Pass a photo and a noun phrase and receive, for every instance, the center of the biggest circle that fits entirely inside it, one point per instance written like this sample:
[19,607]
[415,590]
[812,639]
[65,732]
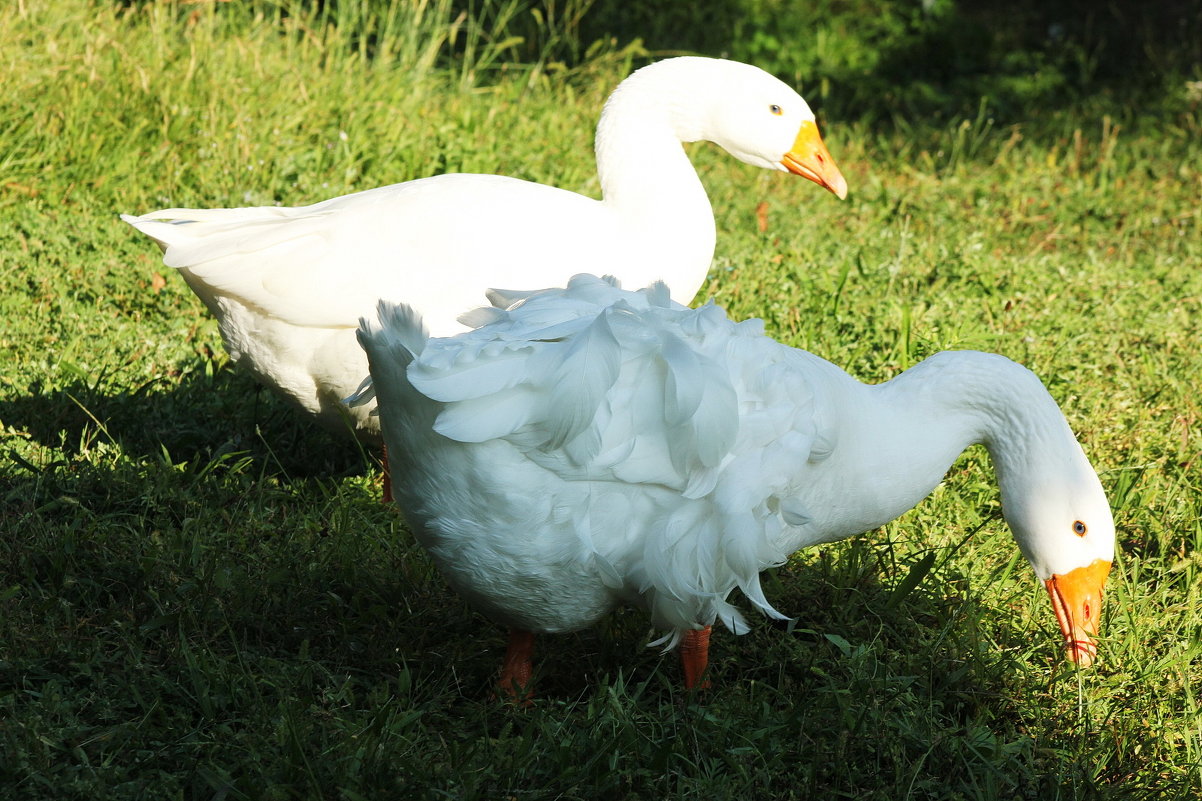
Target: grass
[201,597]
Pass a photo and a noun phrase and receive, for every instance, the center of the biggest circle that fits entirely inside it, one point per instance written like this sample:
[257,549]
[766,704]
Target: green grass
[201,597]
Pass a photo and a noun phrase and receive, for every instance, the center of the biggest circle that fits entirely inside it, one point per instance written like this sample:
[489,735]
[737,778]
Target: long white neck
[898,439]
[647,179]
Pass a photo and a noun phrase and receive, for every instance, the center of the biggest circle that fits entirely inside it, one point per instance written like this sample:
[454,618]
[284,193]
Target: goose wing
[434,243]
[595,384]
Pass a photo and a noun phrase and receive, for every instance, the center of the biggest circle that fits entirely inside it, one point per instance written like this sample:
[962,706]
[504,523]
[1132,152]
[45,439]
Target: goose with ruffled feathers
[288,285]
[591,446]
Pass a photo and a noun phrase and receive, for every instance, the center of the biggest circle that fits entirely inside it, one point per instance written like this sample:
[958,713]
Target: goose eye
[775,109]
[1079,528]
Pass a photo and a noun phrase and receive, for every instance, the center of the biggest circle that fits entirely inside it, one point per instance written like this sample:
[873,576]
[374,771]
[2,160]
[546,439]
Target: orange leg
[694,656]
[517,670]
[387,474]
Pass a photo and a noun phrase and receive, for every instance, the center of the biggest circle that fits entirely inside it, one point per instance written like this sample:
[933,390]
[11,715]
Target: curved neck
[898,439]
[638,146]
[648,181]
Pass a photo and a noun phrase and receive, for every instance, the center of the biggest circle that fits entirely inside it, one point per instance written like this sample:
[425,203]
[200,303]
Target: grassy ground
[201,597]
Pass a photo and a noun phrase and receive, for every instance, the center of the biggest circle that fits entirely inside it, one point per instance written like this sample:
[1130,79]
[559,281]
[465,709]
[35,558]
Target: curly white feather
[595,446]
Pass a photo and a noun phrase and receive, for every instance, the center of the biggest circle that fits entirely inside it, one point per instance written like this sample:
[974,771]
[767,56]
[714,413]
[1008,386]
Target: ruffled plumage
[590,446]
[628,412]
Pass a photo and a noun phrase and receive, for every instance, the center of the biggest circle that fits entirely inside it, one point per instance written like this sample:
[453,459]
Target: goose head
[760,120]
[752,115]
[1051,497]
[1062,522]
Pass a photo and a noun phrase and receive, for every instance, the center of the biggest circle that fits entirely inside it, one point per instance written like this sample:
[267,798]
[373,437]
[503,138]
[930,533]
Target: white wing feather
[679,408]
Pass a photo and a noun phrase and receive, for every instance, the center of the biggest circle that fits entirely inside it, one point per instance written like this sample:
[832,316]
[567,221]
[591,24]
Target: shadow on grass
[241,622]
[204,414]
[221,633]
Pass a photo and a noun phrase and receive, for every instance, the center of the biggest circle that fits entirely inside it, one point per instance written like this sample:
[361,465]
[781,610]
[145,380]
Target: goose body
[288,285]
[591,446]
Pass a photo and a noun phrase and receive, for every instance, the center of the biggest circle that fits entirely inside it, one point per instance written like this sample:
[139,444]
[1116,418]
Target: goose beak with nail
[1077,598]
[809,158]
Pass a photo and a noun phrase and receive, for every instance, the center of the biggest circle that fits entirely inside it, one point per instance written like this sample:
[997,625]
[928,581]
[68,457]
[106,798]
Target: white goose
[288,285]
[592,446]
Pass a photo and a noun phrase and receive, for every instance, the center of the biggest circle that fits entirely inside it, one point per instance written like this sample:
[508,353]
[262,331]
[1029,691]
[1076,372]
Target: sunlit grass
[200,595]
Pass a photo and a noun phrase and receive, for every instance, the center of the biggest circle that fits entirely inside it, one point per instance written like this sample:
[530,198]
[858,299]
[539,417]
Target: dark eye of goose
[775,109]
[1079,528]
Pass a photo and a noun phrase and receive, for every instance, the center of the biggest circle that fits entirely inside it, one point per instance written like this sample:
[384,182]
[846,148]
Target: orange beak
[1077,598]
[810,159]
